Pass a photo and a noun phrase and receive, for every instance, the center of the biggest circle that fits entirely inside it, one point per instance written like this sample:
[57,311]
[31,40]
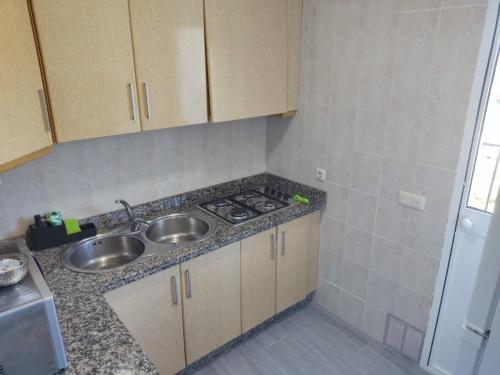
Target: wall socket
[321,174]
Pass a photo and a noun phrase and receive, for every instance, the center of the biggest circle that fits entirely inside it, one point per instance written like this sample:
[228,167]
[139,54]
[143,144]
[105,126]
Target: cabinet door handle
[283,243]
[146,100]
[174,290]
[45,110]
[188,283]
[132,99]
[273,246]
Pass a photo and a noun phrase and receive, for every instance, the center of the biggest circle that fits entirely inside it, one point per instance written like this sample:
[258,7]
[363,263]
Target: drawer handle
[132,100]
[45,110]
[273,246]
[188,283]
[282,243]
[174,290]
[146,100]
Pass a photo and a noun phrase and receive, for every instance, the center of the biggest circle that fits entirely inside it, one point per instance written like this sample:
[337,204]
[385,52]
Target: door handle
[282,243]
[273,246]
[145,89]
[188,283]
[174,290]
[132,99]
[467,223]
[45,110]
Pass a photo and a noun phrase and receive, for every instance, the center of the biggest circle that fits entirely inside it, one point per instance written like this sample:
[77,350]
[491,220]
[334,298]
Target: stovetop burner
[238,213]
[220,203]
[247,205]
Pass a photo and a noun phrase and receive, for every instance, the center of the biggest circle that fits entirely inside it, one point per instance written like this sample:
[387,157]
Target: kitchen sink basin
[103,252]
[178,228]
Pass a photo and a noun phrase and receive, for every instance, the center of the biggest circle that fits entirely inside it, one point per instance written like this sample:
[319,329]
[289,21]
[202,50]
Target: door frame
[469,141]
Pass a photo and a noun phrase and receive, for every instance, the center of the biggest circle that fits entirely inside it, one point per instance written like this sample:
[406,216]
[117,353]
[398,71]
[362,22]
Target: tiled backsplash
[84,178]
[384,92]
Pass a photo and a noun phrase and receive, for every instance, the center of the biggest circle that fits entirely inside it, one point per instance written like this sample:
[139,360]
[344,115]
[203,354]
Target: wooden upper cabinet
[86,49]
[169,49]
[246,57]
[293,42]
[24,129]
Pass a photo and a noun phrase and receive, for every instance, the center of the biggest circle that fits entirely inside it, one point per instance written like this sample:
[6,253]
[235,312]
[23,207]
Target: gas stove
[249,204]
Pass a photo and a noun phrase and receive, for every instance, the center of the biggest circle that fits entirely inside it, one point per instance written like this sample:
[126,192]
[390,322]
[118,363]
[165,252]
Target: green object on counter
[54,218]
[301,199]
[72,226]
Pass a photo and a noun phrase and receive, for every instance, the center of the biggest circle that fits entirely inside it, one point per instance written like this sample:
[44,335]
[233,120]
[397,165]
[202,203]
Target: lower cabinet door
[292,262]
[151,310]
[313,256]
[258,278]
[211,300]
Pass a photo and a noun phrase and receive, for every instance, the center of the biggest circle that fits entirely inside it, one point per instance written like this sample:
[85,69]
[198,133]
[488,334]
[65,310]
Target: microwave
[30,338]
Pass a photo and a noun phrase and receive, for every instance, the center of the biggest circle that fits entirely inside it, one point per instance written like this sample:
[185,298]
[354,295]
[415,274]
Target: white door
[490,362]
[478,202]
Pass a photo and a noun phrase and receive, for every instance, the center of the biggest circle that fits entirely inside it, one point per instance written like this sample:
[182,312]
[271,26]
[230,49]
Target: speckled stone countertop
[95,340]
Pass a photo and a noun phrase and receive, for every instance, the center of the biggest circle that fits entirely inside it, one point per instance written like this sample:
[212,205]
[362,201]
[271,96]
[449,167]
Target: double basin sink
[109,251]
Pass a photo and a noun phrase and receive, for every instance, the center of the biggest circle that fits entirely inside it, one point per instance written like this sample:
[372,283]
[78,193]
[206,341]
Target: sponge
[72,226]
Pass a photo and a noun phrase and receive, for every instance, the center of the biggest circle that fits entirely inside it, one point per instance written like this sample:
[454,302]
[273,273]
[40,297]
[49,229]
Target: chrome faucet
[134,222]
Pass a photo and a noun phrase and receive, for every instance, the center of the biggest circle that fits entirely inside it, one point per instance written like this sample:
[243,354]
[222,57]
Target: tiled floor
[310,343]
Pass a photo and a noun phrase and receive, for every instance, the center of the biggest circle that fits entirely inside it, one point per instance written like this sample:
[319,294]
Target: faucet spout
[133,222]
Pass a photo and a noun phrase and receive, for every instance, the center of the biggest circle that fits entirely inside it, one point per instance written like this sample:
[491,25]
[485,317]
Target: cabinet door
[291,269]
[169,50]
[86,49]
[23,133]
[246,57]
[258,278]
[294,39]
[211,300]
[151,310]
[313,251]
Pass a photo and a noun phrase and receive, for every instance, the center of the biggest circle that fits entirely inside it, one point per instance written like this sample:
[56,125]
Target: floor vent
[403,337]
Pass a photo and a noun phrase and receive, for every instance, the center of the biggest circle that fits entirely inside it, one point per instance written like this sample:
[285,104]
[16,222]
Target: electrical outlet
[321,174]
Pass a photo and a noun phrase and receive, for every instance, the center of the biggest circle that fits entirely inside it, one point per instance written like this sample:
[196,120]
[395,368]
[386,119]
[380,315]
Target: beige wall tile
[386,258]
[369,131]
[376,84]
[396,176]
[402,136]
[409,5]
[345,85]
[410,89]
[415,35]
[391,221]
[361,209]
[459,34]
[357,246]
[365,172]
[435,185]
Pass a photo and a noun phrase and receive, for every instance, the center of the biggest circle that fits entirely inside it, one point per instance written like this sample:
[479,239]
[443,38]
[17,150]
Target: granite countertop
[95,340]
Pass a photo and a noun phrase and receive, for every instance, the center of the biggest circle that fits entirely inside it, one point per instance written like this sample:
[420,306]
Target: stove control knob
[279,195]
[273,192]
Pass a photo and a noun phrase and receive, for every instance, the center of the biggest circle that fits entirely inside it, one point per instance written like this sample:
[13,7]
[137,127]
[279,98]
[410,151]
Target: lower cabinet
[279,267]
[258,278]
[183,313]
[211,300]
[151,309]
[291,265]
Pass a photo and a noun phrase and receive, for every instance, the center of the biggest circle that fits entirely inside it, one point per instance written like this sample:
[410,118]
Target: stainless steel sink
[178,228]
[103,252]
